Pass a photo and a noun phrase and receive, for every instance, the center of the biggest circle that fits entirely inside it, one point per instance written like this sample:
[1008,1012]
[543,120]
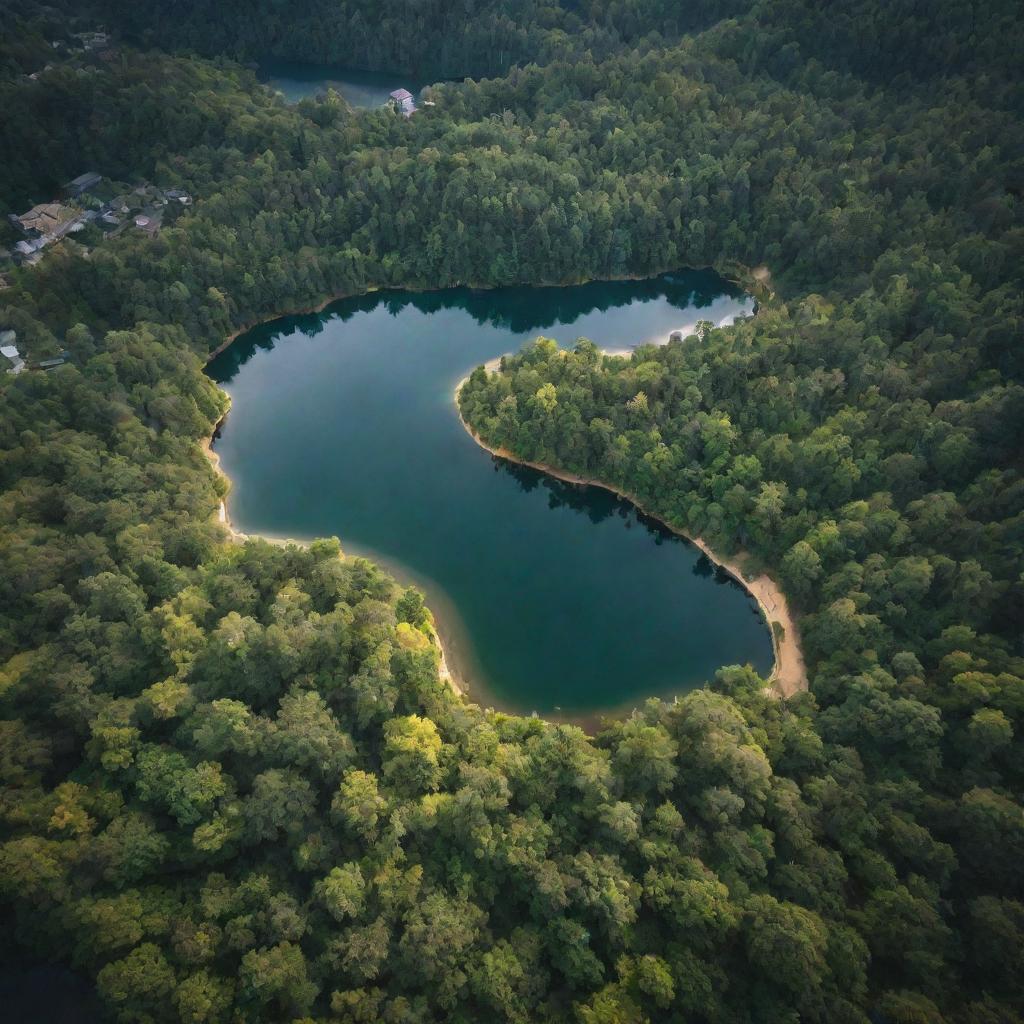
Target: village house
[42,225]
[49,364]
[14,358]
[119,205]
[9,350]
[149,221]
[29,251]
[403,102]
[83,183]
[93,40]
[50,220]
[27,246]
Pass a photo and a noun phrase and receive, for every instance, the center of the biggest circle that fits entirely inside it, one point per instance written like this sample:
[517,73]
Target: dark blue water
[552,597]
[46,994]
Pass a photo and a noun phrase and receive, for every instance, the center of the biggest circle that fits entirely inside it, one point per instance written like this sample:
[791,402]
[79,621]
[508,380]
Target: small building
[17,363]
[93,40]
[29,250]
[176,193]
[51,219]
[83,183]
[49,364]
[403,102]
[149,222]
[9,350]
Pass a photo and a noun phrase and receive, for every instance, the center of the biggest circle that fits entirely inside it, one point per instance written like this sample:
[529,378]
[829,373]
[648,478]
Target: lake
[362,89]
[550,597]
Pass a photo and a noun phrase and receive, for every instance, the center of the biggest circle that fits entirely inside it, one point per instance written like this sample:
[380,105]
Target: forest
[233,786]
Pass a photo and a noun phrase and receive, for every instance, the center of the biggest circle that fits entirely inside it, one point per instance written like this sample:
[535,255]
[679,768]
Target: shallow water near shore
[552,598]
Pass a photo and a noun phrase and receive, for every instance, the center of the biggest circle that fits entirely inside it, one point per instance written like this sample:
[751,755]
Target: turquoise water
[551,597]
[363,89]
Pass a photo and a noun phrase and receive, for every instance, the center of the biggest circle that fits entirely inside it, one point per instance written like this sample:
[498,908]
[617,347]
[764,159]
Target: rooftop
[87,180]
[46,217]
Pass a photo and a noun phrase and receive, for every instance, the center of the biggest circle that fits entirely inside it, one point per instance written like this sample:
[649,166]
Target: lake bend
[551,597]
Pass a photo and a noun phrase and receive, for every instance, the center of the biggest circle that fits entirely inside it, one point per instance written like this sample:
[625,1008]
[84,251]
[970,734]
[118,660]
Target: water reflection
[515,309]
[704,566]
[599,504]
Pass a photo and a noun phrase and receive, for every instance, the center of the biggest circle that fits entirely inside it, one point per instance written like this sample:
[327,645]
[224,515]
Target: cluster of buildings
[47,223]
[15,361]
[96,44]
[143,207]
[42,226]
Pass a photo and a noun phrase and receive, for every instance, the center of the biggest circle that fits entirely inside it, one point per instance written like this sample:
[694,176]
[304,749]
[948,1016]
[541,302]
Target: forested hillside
[428,38]
[234,787]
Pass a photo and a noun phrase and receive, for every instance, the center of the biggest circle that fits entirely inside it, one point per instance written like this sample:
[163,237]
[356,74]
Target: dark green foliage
[431,38]
[233,787]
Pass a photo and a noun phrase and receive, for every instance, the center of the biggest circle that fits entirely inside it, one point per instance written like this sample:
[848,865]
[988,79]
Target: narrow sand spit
[789,675]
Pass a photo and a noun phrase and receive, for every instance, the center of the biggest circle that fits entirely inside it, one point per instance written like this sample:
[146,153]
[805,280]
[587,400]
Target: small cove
[553,598]
[363,90]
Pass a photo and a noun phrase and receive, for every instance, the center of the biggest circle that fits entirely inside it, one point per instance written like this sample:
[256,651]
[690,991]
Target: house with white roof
[403,102]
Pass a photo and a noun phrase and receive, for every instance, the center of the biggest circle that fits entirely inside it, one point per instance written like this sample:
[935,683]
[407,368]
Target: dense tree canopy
[233,785]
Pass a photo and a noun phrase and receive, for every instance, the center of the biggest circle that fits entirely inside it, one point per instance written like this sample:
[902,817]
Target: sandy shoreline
[789,675]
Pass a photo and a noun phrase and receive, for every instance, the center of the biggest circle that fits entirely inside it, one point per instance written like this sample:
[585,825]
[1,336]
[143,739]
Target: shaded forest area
[233,786]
